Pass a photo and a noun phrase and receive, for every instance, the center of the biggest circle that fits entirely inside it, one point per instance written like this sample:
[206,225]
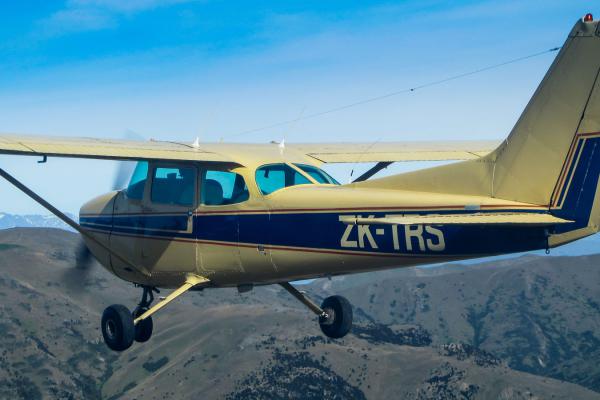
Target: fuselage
[296,232]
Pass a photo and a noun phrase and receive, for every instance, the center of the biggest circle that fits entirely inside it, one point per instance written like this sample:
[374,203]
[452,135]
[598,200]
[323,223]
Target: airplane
[211,215]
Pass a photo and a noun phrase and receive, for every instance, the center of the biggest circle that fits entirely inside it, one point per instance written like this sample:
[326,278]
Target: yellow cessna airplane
[198,216]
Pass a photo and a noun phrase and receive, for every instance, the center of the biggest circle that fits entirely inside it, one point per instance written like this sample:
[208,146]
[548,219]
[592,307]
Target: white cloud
[76,20]
[121,6]
[93,15]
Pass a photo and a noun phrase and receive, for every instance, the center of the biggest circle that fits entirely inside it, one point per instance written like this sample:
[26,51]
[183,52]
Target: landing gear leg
[121,327]
[143,329]
[335,314]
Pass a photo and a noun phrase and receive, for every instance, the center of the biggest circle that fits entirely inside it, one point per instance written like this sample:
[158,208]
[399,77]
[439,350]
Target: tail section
[531,162]
[552,155]
[576,196]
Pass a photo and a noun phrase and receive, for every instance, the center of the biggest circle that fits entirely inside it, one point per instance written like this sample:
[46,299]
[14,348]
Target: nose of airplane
[96,217]
[100,206]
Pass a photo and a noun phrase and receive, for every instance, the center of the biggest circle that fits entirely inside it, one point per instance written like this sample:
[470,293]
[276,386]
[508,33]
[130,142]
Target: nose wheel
[143,329]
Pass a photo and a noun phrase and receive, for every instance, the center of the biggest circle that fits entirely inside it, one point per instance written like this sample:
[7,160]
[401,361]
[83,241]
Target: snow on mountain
[33,221]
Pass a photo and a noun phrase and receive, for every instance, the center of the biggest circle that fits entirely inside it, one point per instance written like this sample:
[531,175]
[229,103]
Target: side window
[270,178]
[135,190]
[220,188]
[174,186]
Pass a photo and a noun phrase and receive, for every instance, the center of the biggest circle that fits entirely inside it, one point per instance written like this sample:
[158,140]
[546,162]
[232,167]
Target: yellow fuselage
[294,233]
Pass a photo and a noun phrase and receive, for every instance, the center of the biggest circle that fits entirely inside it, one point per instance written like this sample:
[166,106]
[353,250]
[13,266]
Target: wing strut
[66,219]
[378,167]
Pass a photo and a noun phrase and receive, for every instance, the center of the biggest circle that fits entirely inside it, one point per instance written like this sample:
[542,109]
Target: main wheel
[339,317]
[117,327]
[143,329]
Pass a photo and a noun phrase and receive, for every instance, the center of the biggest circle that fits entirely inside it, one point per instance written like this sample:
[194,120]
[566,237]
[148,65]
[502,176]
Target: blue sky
[177,69]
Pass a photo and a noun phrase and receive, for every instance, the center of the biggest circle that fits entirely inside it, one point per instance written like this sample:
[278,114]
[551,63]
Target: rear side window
[135,190]
[174,186]
[220,188]
[271,178]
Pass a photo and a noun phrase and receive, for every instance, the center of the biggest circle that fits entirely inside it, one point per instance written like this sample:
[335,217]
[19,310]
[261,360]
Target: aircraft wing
[110,149]
[396,151]
[115,149]
[532,219]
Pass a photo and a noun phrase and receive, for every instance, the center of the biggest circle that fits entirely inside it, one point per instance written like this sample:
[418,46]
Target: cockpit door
[222,191]
[126,233]
[169,243]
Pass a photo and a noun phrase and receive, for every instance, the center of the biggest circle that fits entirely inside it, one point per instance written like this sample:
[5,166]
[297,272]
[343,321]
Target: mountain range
[520,328]
[33,221]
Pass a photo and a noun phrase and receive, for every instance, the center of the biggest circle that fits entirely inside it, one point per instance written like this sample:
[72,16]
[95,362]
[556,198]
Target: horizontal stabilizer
[530,219]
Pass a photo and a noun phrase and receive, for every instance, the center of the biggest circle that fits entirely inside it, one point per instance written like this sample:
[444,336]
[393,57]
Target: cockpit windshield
[135,190]
[318,174]
[273,177]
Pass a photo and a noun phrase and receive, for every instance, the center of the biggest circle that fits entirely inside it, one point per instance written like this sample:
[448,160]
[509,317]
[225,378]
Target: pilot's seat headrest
[213,193]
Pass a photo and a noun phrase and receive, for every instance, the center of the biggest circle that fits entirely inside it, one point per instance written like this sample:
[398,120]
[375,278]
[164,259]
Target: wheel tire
[339,322]
[143,329]
[117,327]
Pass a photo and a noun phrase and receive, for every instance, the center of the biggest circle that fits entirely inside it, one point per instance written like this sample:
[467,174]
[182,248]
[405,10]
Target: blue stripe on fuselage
[323,230]
[173,225]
